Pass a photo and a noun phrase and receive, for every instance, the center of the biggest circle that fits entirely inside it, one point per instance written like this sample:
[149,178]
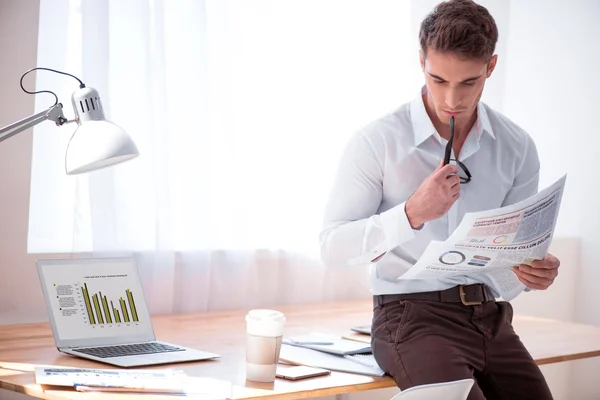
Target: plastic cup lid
[265,315]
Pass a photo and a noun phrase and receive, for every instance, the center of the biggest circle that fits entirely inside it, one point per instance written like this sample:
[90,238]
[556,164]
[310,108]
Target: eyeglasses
[463,173]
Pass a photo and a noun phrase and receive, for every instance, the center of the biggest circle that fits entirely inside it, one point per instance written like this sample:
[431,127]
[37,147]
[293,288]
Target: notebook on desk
[98,311]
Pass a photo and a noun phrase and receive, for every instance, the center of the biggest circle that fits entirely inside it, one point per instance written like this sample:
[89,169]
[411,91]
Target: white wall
[554,93]
[20,295]
[549,84]
[551,62]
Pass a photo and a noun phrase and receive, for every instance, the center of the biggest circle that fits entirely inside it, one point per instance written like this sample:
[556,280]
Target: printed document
[165,381]
[328,343]
[487,244]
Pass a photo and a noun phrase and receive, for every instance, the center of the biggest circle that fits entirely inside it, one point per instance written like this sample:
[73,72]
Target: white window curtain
[240,110]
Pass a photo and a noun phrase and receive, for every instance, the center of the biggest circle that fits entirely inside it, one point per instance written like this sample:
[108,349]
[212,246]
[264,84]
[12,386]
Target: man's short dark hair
[461,27]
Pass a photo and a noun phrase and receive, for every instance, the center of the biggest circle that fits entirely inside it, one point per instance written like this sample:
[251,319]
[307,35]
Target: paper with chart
[487,244]
[93,377]
[165,381]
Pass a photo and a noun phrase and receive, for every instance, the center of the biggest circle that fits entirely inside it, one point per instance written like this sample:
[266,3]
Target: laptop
[97,311]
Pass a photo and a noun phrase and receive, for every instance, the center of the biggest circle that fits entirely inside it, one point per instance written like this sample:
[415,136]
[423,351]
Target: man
[392,196]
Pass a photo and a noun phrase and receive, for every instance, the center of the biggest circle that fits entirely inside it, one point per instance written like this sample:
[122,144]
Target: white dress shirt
[384,164]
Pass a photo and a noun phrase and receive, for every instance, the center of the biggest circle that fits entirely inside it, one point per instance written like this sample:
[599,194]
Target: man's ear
[422,60]
[492,65]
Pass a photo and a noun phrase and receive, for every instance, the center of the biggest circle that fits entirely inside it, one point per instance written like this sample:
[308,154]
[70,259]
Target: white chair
[456,390]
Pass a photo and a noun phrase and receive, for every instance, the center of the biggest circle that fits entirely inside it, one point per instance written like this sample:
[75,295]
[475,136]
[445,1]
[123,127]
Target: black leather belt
[469,295]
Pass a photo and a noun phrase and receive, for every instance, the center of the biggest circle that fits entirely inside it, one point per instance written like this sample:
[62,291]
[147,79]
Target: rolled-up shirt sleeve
[353,233]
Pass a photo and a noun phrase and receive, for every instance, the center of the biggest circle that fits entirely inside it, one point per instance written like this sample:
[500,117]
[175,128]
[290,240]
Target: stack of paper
[329,344]
[330,352]
[141,381]
[364,364]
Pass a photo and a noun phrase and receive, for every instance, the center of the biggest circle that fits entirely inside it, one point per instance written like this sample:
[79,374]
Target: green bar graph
[88,304]
[98,310]
[101,310]
[132,305]
[124,309]
[115,312]
[106,309]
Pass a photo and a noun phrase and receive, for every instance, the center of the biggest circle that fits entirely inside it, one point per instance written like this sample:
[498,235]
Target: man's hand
[540,275]
[435,196]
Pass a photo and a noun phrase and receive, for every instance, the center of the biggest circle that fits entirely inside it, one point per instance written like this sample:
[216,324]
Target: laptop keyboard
[129,350]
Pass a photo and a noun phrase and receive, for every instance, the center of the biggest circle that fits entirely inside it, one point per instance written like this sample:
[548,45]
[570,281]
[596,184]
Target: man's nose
[453,99]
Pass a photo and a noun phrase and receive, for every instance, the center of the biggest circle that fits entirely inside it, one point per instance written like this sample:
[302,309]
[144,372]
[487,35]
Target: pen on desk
[358,360]
[315,342]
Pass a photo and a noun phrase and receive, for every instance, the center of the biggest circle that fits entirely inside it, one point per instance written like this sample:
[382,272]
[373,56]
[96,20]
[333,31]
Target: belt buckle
[463,297]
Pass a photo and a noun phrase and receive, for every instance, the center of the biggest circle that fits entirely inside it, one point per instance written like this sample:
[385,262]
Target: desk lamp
[95,144]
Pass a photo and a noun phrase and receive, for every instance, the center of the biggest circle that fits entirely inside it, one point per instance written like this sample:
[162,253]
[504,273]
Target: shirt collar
[483,121]
[421,123]
[423,127]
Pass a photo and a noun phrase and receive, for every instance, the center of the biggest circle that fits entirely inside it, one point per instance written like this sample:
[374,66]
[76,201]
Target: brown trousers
[420,342]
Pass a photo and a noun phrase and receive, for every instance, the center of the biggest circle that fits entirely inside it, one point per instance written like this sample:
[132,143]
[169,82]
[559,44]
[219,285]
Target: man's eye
[469,83]
[439,82]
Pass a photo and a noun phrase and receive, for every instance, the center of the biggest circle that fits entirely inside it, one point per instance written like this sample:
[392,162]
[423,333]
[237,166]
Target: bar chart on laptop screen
[100,299]
[101,310]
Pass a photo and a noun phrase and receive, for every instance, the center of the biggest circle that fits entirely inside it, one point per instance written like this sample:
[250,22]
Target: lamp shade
[96,143]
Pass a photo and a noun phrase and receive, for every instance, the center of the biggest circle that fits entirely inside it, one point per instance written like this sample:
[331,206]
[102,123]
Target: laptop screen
[91,301]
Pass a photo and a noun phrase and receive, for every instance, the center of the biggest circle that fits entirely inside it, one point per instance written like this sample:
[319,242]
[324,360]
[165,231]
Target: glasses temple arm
[449,145]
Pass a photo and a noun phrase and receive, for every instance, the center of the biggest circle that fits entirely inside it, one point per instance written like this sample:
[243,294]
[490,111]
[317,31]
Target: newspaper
[159,381]
[487,244]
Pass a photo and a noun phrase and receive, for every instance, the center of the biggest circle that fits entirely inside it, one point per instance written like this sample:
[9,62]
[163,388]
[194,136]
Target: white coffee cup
[264,331]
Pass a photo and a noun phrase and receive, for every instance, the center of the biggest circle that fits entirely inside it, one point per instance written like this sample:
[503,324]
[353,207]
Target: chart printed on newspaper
[487,244]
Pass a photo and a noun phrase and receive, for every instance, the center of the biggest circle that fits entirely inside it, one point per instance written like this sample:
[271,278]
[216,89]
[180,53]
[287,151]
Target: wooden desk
[23,346]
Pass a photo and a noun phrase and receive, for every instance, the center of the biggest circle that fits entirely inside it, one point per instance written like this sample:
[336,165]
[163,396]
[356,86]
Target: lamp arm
[54,113]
